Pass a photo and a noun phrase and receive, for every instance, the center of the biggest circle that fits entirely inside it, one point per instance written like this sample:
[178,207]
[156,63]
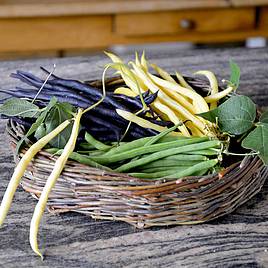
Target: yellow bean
[164,109]
[126,91]
[213,85]
[178,97]
[195,131]
[141,122]
[57,169]
[167,100]
[21,167]
[181,90]
[182,81]
[163,73]
[219,95]
[113,57]
[144,62]
[173,117]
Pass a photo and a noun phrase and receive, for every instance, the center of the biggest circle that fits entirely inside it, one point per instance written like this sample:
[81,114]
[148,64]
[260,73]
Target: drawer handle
[187,24]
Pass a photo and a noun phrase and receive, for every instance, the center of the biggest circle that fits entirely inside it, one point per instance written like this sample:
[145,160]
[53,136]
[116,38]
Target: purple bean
[93,93]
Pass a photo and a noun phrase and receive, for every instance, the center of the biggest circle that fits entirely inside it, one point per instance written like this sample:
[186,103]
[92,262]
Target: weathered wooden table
[73,240]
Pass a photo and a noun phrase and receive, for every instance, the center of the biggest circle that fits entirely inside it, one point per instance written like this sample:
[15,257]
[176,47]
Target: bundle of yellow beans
[176,101]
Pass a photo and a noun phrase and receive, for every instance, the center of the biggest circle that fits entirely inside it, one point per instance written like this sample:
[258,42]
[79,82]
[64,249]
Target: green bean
[210,151]
[200,172]
[156,175]
[95,153]
[86,146]
[171,138]
[53,150]
[184,157]
[83,159]
[191,170]
[168,152]
[158,169]
[162,134]
[86,151]
[118,143]
[127,146]
[166,163]
[97,144]
[144,150]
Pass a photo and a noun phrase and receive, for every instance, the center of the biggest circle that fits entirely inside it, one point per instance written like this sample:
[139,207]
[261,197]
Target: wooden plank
[72,240]
[27,55]
[210,38]
[31,8]
[54,33]
[87,32]
[202,21]
[243,3]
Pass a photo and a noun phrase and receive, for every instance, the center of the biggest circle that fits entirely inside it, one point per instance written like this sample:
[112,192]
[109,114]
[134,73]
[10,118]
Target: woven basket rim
[11,126]
[115,80]
[142,203]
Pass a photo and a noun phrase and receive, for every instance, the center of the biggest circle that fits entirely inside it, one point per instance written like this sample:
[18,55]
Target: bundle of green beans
[163,156]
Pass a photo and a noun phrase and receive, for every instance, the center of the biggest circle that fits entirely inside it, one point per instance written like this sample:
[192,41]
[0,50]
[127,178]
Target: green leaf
[40,119]
[235,73]
[235,116]
[264,117]
[66,107]
[210,115]
[40,132]
[257,140]
[58,114]
[19,107]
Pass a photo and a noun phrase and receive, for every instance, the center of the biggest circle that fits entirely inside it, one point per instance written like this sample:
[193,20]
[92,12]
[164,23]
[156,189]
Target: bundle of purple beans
[101,122]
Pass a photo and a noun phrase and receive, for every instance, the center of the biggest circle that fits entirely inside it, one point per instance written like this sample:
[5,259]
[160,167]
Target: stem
[238,154]
[49,75]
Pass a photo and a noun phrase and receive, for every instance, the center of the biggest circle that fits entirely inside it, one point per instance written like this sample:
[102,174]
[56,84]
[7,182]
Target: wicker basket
[113,196]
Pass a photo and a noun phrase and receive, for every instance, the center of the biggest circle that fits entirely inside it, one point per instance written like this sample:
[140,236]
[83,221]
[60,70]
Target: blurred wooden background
[31,28]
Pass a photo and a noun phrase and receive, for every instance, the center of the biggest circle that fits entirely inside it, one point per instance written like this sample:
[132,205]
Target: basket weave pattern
[113,196]
[142,203]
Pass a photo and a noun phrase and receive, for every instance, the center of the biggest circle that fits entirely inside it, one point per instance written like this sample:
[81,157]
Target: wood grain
[93,32]
[68,25]
[35,27]
[55,33]
[202,21]
[239,3]
[98,31]
[47,8]
[72,240]
[263,20]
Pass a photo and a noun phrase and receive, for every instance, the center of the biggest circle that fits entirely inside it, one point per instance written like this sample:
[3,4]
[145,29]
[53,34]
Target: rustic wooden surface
[73,240]
[66,25]
[32,8]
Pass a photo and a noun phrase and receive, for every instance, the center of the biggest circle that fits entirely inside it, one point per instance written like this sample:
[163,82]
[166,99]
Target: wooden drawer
[263,22]
[175,22]
[52,33]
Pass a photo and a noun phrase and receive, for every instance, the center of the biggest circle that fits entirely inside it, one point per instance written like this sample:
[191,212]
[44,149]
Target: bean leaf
[264,117]
[40,119]
[235,116]
[57,115]
[40,132]
[235,74]
[19,107]
[257,140]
